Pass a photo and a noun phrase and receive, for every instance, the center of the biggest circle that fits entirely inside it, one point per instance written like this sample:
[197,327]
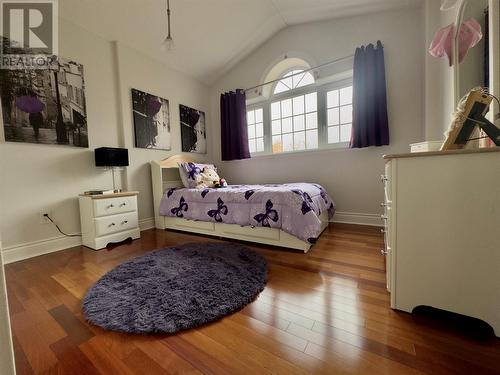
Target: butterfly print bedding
[294,208]
[219,211]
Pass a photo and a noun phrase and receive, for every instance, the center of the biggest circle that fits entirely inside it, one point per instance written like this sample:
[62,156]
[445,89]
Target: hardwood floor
[325,312]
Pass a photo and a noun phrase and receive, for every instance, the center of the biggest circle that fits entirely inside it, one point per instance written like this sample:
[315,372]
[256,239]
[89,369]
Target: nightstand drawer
[115,223]
[112,206]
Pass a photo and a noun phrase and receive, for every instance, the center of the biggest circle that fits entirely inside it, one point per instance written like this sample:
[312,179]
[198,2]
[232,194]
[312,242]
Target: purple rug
[176,288]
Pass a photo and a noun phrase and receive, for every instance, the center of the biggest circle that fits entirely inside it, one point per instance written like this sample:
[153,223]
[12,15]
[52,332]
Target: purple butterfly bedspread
[295,208]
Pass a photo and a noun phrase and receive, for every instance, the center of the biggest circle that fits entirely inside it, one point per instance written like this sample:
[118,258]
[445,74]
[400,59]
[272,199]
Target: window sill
[338,147]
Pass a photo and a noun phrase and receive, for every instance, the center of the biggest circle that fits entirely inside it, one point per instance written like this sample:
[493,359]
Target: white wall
[352,177]
[40,177]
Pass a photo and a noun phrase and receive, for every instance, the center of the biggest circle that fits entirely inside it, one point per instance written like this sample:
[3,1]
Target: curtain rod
[303,71]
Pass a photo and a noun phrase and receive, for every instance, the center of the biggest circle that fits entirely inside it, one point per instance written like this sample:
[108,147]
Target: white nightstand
[109,218]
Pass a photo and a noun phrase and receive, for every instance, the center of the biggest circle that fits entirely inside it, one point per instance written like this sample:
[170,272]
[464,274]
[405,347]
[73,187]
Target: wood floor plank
[73,327]
[71,360]
[325,312]
[139,362]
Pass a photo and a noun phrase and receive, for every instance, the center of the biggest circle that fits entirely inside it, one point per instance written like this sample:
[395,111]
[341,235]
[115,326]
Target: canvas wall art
[45,106]
[193,133]
[151,121]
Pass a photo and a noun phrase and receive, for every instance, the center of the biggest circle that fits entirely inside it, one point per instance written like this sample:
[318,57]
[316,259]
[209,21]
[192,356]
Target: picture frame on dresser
[108,218]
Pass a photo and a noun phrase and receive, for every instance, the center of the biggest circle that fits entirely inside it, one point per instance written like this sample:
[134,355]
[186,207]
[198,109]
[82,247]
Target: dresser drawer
[112,206]
[115,223]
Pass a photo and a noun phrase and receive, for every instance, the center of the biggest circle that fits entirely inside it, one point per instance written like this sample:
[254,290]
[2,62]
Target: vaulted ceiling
[210,36]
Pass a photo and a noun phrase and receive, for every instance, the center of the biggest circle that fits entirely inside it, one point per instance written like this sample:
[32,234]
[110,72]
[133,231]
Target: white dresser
[442,216]
[108,218]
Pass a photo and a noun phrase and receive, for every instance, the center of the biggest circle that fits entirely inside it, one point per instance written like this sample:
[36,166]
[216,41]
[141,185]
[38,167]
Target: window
[255,122]
[339,114]
[301,115]
[293,80]
[294,123]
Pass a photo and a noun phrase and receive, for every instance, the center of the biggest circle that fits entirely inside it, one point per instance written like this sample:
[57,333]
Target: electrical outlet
[44,219]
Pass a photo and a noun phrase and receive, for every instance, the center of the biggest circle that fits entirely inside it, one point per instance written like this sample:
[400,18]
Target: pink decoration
[470,34]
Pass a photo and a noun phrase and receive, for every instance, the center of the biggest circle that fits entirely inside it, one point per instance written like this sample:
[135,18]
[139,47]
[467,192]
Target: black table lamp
[110,157]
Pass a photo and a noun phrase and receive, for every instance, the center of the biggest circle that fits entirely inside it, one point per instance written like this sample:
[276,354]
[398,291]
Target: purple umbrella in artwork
[29,104]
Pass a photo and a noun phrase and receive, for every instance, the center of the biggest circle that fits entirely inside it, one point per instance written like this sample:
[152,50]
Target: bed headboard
[165,175]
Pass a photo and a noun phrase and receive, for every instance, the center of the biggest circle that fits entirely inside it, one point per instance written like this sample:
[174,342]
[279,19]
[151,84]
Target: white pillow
[183,175]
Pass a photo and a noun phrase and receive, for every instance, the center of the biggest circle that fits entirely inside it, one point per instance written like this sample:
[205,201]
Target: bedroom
[332,304]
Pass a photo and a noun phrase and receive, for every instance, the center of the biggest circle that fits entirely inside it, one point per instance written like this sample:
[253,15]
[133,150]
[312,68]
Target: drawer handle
[111,225]
[383,252]
[123,204]
[383,178]
[383,204]
[124,222]
[383,231]
[111,206]
[383,217]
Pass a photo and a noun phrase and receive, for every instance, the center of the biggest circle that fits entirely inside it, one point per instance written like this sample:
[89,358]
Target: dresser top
[438,153]
[113,195]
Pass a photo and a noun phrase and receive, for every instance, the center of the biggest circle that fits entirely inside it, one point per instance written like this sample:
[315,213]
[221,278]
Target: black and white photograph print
[193,133]
[45,106]
[151,121]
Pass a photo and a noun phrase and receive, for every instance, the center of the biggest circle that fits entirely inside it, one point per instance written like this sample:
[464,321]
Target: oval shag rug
[176,288]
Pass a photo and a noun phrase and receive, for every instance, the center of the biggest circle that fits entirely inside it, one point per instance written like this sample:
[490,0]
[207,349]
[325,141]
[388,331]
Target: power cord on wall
[59,229]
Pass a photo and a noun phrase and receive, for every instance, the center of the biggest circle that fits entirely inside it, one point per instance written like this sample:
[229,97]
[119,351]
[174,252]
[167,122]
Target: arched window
[299,115]
[293,80]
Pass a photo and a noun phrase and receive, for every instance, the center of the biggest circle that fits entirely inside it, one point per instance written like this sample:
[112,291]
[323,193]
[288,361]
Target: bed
[285,215]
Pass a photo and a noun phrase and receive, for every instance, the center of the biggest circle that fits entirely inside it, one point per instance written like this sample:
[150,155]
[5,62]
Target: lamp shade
[111,157]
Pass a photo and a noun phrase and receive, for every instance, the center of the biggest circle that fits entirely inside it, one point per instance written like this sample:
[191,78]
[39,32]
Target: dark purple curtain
[370,125]
[234,129]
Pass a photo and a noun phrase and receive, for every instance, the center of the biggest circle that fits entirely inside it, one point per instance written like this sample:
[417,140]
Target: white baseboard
[50,245]
[148,223]
[32,249]
[357,218]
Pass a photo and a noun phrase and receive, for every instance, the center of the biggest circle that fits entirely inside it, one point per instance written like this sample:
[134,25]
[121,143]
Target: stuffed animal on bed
[208,178]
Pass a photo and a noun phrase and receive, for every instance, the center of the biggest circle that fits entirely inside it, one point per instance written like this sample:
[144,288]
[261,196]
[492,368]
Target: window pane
[260,144]
[312,139]
[333,134]
[280,87]
[298,123]
[346,114]
[251,117]
[332,98]
[277,145]
[258,115]
[276,127]
[251,131]
[275,110]
[307,80]
[259,130]
[297,79]
[345,133]
[312,120]
[311,102]
[346,95]
[286,108]
[299,141]
[286,125]
[333,116]
[288,81]
[298,105]
[251,145]
[287,142]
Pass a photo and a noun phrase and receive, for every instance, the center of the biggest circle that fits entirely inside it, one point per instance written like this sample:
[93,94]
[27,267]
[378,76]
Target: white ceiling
[210,36]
